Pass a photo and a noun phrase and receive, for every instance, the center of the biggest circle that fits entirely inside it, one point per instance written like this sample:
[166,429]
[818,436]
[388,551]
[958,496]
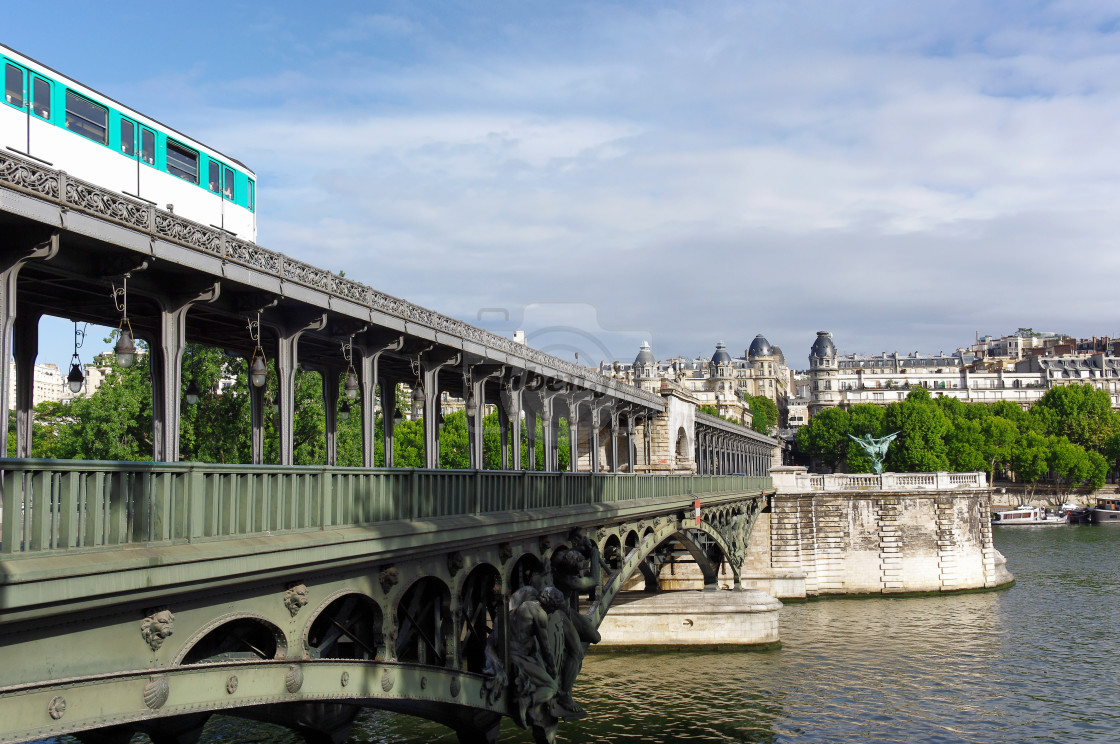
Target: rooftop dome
[721,356]
[823,346]
[779,355]
[645,356]
[760,347]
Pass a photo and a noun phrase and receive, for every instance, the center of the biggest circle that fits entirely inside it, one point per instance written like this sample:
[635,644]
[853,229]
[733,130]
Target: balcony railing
[71,504]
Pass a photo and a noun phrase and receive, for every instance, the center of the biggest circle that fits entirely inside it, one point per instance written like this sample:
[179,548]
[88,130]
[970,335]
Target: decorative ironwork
[26,175]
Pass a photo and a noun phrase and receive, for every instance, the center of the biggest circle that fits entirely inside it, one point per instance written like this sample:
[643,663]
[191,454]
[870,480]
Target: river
[1038,662]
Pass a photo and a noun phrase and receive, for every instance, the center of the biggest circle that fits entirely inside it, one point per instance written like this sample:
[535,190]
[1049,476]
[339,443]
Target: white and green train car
[71,127]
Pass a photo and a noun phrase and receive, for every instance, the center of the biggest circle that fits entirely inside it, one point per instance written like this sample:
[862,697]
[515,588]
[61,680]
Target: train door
[13,116]
[40,131]
[129,134]
[147,169]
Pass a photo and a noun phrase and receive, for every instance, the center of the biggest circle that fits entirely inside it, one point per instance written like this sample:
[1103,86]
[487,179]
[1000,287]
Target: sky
[904,175]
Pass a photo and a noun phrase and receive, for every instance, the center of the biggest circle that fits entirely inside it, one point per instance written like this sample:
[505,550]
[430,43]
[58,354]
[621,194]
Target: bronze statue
[876,449]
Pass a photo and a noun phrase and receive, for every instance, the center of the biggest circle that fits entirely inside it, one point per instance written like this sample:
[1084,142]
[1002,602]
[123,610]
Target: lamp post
[258,372]
[125,348]
[76,378]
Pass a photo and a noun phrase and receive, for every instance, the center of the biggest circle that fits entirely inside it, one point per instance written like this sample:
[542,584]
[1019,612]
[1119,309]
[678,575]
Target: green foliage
[825,437]
[764,414]
[1071,436]
[1081,413]
[921,426]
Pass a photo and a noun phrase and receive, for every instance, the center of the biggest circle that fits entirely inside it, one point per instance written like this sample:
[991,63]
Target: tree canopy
[1070,437]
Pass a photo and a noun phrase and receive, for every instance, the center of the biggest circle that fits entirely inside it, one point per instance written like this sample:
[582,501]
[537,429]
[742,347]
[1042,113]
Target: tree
[965,445]
[1030,457]
[1072,465]
[764,414]
[825,437]
[999,436]
[1081,413]
[921,427]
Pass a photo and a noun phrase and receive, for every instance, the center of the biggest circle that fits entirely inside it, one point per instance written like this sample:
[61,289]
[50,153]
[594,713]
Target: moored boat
[1028,515]
[1107,511]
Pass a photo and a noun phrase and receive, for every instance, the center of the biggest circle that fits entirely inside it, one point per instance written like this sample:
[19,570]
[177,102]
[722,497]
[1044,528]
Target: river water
[1038,662]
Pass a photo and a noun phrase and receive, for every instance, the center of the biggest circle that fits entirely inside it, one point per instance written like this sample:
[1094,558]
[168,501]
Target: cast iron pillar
[513,388]
[369,380]
[331,377]
[614,439]
[10,264]
[287,362]
[25,347]
[388,390]
[166,365]
[429,378]
[631,450]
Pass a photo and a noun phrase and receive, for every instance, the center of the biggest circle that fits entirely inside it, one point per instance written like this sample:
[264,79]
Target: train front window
[227,185]
[128,138]
[13,85]
[41,98]
[148,146]
[87,118]
[215,177]
[182,162]
[252,195]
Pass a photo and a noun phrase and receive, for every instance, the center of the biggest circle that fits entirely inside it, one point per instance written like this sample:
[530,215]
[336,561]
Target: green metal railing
[53,505]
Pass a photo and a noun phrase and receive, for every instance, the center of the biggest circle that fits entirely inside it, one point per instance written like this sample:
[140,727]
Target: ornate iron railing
[33,178]
[72,504]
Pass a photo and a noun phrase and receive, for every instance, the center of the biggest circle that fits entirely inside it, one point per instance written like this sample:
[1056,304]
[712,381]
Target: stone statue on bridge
[548,638]
[876,449]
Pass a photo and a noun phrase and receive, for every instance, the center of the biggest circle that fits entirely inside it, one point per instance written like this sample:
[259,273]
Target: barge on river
[1028,515]
[1107,511]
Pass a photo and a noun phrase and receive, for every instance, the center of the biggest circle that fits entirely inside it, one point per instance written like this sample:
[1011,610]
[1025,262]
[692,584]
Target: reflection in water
[1035,663]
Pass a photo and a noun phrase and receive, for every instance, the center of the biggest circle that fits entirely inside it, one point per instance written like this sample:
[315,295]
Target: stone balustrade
[796,479]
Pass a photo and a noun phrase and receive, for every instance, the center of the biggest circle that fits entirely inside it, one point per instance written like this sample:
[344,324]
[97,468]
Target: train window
[182,162]
[128,137]
[148,146]
[13,85]
[227,184]
[86,118]
[252,194]
[215,177]
[41,97]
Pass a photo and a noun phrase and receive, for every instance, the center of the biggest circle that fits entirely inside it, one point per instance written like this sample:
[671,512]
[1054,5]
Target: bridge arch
[480,601]
[423,623]
[654,538]
[522,569]
[236,635]
[346,625]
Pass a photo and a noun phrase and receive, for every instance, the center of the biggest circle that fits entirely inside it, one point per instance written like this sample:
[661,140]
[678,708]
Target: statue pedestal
[690,620]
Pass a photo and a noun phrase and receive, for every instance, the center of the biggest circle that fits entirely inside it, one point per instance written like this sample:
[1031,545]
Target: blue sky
[902,174]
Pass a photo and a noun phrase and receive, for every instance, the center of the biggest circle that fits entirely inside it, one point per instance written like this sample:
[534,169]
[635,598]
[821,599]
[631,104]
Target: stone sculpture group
[548,638]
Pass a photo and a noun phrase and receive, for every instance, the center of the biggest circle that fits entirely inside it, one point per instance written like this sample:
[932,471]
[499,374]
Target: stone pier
[875,534]
[691,620]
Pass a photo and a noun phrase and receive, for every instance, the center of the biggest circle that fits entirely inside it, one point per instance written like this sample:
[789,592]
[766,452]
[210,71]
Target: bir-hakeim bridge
[145,596]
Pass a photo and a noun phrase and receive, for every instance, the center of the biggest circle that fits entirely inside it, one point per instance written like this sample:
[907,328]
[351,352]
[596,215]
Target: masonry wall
[879,542]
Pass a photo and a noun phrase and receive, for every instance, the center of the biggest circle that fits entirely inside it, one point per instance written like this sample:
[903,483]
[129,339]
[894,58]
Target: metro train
[71,127]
